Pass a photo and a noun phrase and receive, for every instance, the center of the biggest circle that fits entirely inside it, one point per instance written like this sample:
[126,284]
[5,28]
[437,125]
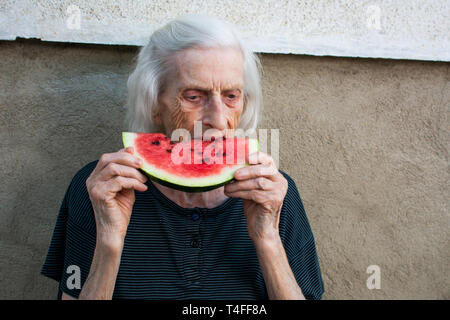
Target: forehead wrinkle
[186,66]
[187,83]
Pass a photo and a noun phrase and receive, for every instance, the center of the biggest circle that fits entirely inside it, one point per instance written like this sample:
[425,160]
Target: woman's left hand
[262,188]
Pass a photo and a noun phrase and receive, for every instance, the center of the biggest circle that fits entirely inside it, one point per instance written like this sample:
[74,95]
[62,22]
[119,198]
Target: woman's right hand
[111,188]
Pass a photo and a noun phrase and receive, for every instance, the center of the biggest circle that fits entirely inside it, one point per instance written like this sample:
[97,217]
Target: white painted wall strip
[397,29]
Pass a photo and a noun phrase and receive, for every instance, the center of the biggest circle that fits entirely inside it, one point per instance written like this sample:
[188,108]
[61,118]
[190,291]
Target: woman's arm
[101,280]
[278,276]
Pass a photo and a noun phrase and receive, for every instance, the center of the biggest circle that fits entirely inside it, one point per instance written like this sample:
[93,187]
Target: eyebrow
[201,88]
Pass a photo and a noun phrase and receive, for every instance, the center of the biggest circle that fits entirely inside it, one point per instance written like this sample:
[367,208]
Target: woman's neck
[208,199]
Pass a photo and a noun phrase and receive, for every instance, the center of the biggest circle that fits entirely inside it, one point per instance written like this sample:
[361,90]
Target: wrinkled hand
[111,188]
[262,188]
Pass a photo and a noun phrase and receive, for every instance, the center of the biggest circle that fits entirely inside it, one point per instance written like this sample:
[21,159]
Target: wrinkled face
[207,86]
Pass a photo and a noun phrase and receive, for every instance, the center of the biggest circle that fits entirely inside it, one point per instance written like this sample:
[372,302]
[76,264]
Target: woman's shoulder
[292,186]
[77,198]
[293,220]
[77,186]
[85,171]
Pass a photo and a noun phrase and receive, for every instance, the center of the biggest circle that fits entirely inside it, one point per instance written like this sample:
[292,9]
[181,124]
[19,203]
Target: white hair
[154,64]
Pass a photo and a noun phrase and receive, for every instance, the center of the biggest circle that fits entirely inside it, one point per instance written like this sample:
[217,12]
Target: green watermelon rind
[187,184]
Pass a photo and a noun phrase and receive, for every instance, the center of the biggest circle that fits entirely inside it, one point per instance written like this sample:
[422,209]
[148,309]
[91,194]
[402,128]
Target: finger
[254,195]
[260,157]
[118,183]
[121,157]
[260,183]
[255,171]
[127,149]
[115,169]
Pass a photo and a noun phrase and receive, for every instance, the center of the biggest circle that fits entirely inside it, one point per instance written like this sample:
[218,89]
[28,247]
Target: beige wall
[371,160]
[366,141]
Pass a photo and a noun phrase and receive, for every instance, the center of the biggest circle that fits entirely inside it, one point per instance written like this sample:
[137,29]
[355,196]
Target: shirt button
[195,216]
[194,243]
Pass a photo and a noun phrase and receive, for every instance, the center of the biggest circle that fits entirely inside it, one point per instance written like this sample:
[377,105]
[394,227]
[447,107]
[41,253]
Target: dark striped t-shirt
[171,252]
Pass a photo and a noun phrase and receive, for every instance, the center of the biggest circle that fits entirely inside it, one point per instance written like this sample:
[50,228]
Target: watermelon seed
[168,150]
[156,142]
[224,154]
[213,138]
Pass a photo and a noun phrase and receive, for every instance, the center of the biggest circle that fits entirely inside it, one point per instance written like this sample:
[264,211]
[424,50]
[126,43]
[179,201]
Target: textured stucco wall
[400,29]
[366,140]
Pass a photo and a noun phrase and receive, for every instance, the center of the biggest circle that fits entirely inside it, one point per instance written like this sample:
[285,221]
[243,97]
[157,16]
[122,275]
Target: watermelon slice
[191,166]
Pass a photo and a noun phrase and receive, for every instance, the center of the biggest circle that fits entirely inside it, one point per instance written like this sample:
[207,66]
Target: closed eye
[194,96]
[232,96]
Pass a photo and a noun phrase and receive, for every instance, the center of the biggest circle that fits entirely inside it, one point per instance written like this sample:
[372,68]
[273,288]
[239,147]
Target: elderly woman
[248,240]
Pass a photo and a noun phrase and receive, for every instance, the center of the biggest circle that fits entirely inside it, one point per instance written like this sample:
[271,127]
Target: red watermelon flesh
[194,165]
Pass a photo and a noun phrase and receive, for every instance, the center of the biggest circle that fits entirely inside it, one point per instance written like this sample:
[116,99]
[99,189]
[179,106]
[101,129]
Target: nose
[215,114]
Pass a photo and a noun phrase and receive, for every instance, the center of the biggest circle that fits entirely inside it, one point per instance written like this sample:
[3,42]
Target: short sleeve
[299,244]
[73,241]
